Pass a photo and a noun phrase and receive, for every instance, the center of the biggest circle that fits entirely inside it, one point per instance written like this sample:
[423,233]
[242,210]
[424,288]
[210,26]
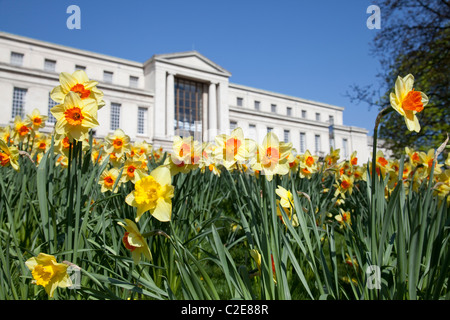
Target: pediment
[192,59]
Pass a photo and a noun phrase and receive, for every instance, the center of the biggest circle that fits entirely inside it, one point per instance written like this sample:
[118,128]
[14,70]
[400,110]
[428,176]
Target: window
[142,121]
[317,116]
[345,147]
[317,144]
[252,131]
[304,114]
[107,76]
[78,67]
[16,58]
[188,108]
[239,102]
[331,119]
[115,116]
[289,111]
[257,105]
[51,104]
[18,104]
[269,129]
[50,65]
[302,142]
[273,107]
[233,125]
[286,136]
[134,82]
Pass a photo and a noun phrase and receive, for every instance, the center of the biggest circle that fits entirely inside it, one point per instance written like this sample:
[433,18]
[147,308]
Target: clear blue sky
[310,49]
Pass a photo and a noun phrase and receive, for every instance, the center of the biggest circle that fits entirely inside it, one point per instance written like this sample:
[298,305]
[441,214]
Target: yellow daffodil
[414,157]
[9,155]
[132,170]
[42,142]
[108,179]
[286,201]
[308,165]
[35,120]
[79,83]
[407,101]
[354,159]
[48,273]
[135,242]
[232,149]
[332,157]
[117,143]
[344,186]
[272,157]
[75,117]
[344,218]
[21,129]
[427,160]
[5,134]
[257,257]
[185,156]
[153,193]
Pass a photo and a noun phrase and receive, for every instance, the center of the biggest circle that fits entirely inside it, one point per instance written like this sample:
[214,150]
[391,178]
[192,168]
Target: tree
[414,38]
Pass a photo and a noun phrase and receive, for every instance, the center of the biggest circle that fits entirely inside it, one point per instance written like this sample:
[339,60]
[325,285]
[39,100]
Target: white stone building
[169,94]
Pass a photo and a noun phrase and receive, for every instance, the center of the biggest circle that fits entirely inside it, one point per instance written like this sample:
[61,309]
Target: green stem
[373,239]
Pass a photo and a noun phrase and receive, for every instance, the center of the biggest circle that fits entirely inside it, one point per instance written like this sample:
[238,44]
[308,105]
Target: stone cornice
[283,96]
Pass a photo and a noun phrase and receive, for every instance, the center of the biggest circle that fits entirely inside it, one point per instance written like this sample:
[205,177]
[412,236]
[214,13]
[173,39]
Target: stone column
[212,111]
[170,105]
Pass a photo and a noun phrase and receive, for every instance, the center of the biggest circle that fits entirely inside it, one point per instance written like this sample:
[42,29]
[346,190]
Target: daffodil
[35,120]
[286,201]
[21,129]
[132,170]
[427,160]
[345,186]
[185,156]
[9,155]
[78,83]
[308,165]
[407,101]
[135,242]
[75,117]
[5,134]
[344,218]
[232,149]
[108,179]
[48,273]
[257,257]
[153,193]
[272,157]
[117,143]
[332,157]
[42,142]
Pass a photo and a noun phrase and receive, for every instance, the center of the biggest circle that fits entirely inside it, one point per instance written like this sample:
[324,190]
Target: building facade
[170,94]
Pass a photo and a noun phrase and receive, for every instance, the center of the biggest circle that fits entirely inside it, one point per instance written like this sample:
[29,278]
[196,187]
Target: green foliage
[205,251]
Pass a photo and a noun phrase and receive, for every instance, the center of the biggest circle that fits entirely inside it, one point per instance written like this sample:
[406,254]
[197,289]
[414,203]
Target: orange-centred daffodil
[35,120]
[117,143]
[48,273]
[75,117]
[153,193]
[233,148]
[272,157]
[407,101]
[135,242]
[9,155]
[79,83]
